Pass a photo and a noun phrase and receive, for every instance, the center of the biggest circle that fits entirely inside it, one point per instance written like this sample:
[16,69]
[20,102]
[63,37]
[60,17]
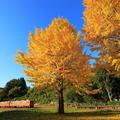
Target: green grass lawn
[48,112]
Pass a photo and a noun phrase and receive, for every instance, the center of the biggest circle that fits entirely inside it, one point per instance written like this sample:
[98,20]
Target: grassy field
[48,112]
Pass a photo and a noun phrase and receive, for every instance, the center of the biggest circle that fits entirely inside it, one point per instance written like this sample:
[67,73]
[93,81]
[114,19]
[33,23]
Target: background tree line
[16,89]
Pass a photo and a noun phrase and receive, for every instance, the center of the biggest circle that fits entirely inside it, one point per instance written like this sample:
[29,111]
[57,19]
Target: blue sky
[19,17]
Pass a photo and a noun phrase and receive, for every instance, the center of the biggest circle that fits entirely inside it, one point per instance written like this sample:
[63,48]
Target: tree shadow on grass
[94,113]
[37,114]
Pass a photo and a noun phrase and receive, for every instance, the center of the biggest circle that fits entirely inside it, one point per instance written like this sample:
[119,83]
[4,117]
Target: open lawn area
[48,112]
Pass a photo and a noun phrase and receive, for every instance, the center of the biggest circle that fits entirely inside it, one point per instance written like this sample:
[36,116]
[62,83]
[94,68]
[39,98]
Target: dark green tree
[41,96]
[71,96]
[115,87]
[2,94]
[16,88]
[102,80]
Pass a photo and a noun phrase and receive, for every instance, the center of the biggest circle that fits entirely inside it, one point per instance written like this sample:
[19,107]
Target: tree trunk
[109,96]
[108,91]
[60,98]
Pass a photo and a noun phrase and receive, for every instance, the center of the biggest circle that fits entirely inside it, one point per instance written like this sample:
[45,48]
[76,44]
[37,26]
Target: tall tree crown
[55,53]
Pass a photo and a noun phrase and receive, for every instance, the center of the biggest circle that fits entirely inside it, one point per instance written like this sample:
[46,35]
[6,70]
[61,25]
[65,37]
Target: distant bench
[79,106]
[21,103]
[100,107]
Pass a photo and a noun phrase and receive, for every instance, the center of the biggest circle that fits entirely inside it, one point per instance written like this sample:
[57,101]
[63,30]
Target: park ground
[49,112]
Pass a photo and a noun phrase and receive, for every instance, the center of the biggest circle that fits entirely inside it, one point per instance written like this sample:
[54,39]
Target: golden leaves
[55,52]
[116,63]
[102,29]
[101,16]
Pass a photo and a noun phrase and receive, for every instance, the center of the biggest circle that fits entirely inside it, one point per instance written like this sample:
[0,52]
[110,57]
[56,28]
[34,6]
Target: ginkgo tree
[55,59]
[102,29]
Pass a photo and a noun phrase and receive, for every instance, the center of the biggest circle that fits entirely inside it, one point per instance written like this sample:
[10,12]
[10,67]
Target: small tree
[55,59]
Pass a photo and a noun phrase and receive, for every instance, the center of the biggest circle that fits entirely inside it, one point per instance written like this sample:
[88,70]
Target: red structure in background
[22,103]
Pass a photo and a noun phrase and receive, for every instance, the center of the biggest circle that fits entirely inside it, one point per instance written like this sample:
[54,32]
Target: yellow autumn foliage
[55,54]
[102,28]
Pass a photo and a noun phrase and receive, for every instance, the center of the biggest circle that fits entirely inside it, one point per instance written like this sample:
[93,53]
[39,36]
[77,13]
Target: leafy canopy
[102,28]
[56,54]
